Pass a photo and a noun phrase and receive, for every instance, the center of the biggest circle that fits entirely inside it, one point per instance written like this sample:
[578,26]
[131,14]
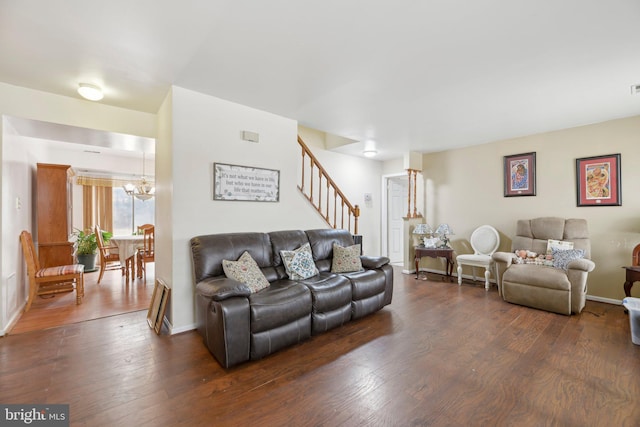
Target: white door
[396,209]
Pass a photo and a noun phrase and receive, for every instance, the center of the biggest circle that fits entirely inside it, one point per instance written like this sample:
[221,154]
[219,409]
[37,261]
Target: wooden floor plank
[441,354]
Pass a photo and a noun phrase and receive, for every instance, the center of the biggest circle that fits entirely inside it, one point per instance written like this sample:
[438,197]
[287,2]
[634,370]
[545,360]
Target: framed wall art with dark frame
[598,181]
[520,175]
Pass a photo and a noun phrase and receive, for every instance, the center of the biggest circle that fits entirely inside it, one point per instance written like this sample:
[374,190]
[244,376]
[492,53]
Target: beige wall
[464,188]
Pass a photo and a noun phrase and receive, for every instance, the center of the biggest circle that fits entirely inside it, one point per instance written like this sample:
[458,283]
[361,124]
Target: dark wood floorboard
[440,355]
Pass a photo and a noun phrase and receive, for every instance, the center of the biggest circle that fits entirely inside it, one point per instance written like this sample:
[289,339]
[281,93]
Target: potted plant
[86,247]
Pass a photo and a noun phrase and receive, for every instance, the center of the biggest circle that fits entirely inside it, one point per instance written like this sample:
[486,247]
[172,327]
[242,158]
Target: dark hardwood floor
[439,355]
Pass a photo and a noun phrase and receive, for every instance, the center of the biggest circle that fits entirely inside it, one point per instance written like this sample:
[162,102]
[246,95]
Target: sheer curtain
[97,202]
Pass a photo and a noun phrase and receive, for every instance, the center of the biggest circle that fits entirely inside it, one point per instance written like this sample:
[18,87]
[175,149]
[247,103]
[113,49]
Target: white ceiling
[410,75]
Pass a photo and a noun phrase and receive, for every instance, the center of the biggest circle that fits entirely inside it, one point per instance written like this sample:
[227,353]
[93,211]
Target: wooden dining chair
[142,227]
[109,257]
[147,252]
[50,280]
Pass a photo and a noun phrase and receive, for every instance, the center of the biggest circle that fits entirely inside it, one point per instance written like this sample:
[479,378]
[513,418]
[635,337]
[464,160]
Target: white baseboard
[605,300]
[173,331]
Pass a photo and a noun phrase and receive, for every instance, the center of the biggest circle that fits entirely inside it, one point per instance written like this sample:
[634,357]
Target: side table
[633,275]
[435,253]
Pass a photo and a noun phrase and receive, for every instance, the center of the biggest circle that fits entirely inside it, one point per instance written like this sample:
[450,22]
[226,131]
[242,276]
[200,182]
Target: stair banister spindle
[353,211]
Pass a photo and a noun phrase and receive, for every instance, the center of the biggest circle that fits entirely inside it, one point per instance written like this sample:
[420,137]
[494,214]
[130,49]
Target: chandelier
[143,189]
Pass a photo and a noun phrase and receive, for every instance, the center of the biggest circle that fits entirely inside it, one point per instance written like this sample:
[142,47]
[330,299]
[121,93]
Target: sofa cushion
[537,276]
[322,241]
[245,270]
[208,251]
[347,259]
[283,302]
[561,258]
[328,291]
[299,263]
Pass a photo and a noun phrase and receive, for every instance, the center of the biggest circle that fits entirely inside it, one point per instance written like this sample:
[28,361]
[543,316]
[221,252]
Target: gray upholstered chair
[559,290]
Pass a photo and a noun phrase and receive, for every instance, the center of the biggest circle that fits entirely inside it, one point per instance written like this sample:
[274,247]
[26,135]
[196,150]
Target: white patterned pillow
[562,257]
[346,260]
[245,270]
[558,244]
[299,263]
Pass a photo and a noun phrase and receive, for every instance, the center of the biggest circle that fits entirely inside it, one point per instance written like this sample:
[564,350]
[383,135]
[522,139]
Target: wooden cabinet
[53,212]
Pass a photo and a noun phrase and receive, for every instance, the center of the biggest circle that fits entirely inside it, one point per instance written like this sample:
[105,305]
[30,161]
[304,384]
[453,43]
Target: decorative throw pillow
[245,270]
[347,259]
[299,263]
[558,244]
[562,257]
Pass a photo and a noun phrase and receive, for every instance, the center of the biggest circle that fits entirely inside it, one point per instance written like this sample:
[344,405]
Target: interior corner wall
[205,130]
[164,199]
[465,189]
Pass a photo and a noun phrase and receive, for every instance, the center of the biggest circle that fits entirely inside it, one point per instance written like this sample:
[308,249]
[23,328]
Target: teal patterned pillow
[562,257]
[299,263]
[346,260]
[245,270]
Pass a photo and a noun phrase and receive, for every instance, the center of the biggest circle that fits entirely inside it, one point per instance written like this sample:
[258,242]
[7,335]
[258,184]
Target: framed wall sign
[520,175]
[598,181]
[233,182]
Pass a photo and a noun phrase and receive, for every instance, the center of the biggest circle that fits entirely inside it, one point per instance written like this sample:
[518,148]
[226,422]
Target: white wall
[205,130]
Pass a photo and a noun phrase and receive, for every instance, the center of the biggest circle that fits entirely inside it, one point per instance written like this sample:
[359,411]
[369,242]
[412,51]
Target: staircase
[323,193]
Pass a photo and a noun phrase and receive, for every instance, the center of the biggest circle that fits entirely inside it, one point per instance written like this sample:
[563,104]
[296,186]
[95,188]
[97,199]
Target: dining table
[127,247]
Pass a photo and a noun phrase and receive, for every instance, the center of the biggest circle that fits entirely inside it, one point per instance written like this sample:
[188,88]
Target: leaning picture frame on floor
[520,175]
[598,181]
[158,306]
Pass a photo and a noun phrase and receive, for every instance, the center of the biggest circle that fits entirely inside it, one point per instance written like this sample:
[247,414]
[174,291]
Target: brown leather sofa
[237,325]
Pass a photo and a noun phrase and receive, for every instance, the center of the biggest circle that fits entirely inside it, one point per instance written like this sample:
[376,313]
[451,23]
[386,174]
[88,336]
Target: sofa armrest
[581,264]
[371,262]
[219,289]
[503,261]
[504,257]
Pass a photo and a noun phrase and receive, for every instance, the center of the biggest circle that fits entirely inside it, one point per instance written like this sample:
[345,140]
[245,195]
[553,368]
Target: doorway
[108,156]
[395,190]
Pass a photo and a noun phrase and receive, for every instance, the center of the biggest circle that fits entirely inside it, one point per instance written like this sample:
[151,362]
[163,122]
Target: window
[129,212]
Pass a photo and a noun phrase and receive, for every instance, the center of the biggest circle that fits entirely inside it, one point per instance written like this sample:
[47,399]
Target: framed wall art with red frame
[598,181]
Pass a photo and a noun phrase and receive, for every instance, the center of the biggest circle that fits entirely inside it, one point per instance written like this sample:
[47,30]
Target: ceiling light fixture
[143,190]
[90,92]
[370,153]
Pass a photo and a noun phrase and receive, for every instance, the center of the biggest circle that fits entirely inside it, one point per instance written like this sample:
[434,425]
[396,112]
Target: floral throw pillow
[562,258]
[246,270]
[346,260]
[299,263]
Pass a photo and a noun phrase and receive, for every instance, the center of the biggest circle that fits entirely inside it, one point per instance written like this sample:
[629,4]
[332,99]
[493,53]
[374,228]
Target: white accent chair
[484,241]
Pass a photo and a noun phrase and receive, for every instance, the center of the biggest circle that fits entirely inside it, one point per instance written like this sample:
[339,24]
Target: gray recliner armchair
[559,290]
